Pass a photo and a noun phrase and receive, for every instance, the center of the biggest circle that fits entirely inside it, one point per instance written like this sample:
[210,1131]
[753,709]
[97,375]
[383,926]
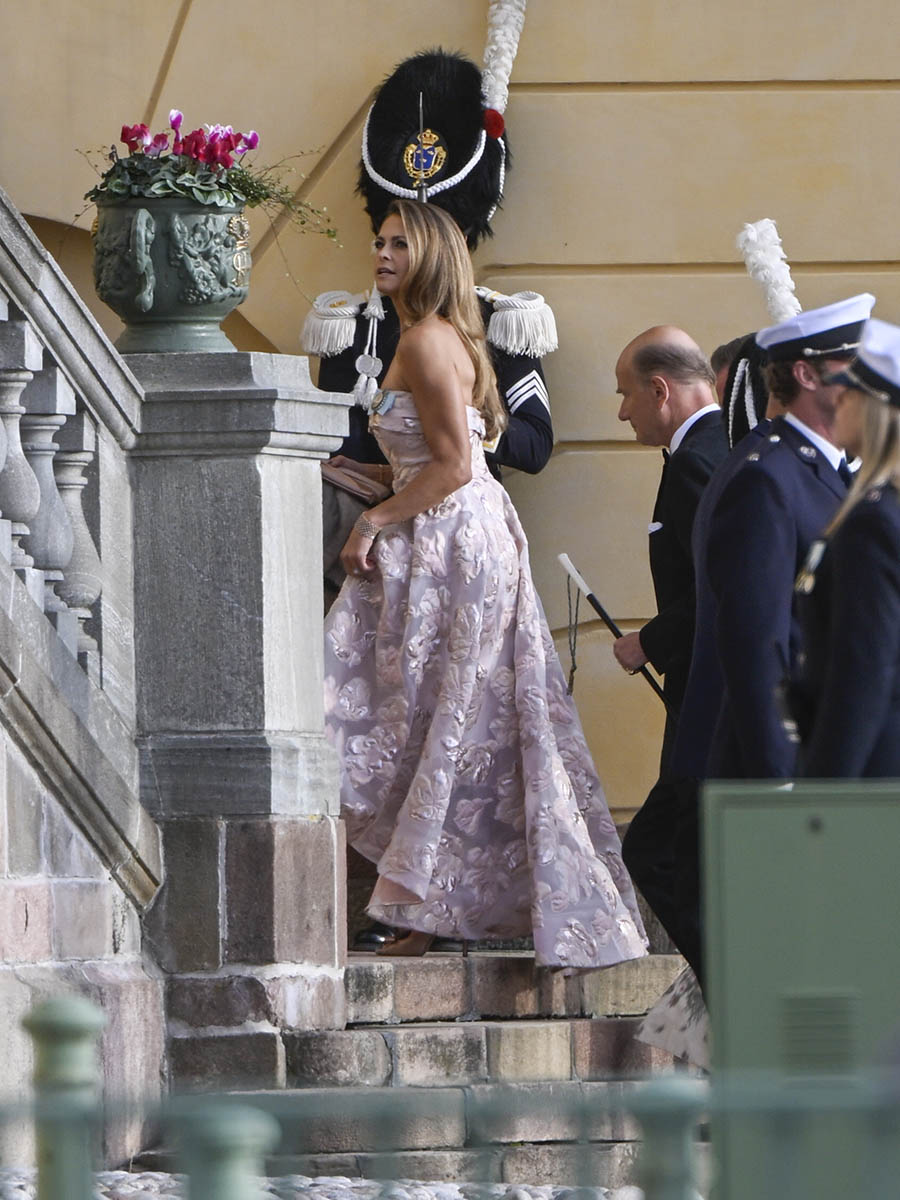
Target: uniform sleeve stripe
[525,388]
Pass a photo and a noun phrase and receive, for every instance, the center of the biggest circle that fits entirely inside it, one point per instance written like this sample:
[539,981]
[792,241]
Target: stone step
[545,1165]
[427,1055]
[548,1133]
[500,984]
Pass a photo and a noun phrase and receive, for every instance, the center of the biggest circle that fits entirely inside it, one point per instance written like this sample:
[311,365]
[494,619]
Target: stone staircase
[468,1069]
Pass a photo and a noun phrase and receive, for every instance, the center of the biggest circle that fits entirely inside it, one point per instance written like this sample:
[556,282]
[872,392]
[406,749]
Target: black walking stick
[604,616]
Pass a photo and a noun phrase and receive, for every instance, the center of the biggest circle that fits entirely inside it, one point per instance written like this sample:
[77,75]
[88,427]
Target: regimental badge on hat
[833,331]
[876,368]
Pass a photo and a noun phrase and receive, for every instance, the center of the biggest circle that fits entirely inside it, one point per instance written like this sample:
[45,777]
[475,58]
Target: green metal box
[802,910]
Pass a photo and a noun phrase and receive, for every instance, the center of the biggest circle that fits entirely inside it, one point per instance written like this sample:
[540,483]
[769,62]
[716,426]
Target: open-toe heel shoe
[412,945]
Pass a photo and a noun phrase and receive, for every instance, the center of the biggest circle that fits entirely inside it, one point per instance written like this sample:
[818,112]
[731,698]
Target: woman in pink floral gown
[465,773]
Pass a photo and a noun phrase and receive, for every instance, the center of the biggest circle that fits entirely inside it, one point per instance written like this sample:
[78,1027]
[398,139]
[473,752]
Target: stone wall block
[66,851]
[250,892]
[352,1057]
[629,988]
[230,1000]
[530,1050]
[431,989]
[439,1056]
[283,901]
[25,921]
[605,1048]
[525,1112]
[24,815]
[182,926]
[82,919]
[309,1000]
[611,1166]
[126,925]
[132,1048]
[369,986]
[342,1120]
[218,1062]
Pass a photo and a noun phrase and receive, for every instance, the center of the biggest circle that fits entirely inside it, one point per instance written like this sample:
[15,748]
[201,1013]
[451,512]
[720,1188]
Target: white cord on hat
[410,193]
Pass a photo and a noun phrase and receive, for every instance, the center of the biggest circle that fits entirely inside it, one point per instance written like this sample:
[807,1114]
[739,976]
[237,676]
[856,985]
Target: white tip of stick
[569,568]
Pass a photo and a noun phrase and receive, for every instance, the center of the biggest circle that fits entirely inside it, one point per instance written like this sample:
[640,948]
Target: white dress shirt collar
[678,435]
[831,452]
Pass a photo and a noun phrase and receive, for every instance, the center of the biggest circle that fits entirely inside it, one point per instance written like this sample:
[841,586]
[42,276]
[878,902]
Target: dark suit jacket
[667,638]
[851,628]
[703,691]
[527,441]
[767,517]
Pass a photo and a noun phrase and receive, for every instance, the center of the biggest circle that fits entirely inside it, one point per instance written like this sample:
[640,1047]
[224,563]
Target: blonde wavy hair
[879,451]
[440,280]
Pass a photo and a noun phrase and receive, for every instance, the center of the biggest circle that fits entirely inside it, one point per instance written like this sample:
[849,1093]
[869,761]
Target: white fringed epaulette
[331,324]
[520,324]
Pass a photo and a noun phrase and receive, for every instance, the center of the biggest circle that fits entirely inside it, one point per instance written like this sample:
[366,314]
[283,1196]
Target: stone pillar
[82,580]
[20,494]
[250,924]
[49,400]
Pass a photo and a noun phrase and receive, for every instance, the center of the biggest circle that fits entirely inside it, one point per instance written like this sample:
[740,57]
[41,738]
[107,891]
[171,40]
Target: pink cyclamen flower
[175,119]
[194,144]
[135,137]
[249,141]
[156,147]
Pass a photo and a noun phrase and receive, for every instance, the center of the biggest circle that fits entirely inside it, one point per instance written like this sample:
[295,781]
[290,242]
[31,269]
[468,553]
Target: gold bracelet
[365,528]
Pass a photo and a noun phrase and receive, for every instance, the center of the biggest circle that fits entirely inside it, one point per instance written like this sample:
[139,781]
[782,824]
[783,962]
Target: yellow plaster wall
[645,134]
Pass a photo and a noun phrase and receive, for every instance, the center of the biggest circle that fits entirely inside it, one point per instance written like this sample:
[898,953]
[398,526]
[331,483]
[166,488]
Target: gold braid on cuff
[364,527]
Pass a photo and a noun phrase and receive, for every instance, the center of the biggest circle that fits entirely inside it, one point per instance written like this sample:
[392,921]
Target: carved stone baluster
[82,578]
[20,494]
[48,399]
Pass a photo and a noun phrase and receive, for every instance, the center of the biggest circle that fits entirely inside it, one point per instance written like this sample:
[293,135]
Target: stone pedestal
[251,921]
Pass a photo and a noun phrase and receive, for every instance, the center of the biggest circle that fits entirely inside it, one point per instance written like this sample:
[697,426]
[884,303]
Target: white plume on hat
[767,263]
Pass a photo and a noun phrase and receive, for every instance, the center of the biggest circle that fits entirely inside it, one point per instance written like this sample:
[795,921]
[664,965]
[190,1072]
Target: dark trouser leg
[687,898]
[648,850]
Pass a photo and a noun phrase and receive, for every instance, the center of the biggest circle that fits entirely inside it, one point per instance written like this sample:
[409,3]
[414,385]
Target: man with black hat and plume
[436,133]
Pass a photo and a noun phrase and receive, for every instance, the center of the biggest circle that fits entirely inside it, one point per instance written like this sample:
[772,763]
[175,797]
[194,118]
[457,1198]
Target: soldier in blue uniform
[849,590]
[767,516]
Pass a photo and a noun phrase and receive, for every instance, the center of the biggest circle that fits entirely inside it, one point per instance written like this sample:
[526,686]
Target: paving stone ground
[16,1184]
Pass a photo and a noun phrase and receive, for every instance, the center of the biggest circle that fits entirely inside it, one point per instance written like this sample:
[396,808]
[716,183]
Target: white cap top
[880,350]
[818,332]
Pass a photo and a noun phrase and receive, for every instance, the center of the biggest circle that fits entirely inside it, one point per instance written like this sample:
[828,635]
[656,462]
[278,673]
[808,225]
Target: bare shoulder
[428,338]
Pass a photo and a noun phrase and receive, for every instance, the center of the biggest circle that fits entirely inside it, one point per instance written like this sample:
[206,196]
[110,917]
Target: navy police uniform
[849,604]
[704,688]
[768,516]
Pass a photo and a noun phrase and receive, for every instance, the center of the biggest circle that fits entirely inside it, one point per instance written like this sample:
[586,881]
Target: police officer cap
[876,368]
[830,332]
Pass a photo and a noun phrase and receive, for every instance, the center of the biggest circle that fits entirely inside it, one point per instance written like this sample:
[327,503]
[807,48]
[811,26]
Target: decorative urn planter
[172,269]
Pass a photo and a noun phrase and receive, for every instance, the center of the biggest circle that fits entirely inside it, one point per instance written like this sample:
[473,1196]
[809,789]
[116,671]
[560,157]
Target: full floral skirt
[465,774]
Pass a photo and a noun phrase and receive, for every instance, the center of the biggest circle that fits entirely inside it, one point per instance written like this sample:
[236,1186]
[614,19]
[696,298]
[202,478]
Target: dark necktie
[845,473]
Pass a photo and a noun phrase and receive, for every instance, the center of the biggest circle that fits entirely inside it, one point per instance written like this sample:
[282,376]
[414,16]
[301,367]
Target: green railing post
[222,1149]
[668,1110]
[64,1032]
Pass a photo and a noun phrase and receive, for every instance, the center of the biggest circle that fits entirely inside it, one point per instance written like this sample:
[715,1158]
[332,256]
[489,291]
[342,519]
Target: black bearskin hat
[453,116]
[746,395]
